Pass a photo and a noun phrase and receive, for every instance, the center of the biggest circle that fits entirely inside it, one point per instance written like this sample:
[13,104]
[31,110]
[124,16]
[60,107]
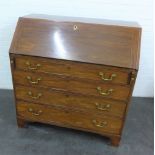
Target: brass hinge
[133,77]
[12,62]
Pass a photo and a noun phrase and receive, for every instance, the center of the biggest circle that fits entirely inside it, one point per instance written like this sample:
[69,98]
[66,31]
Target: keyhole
[75,28]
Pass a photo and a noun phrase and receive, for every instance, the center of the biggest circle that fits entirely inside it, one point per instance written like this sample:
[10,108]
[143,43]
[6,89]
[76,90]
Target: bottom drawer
[48,114]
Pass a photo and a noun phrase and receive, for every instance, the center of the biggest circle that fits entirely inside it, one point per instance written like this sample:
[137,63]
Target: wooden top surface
[104,42]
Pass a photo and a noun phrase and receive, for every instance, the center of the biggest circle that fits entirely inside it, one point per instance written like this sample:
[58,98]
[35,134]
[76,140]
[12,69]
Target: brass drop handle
[29,78]
[34,97]
[100,124]
[34,67]
[107,79]
[34,112]
[103,107]
[104,93]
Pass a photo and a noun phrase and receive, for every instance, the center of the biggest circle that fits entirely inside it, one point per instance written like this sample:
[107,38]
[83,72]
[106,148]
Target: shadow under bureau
[74,72]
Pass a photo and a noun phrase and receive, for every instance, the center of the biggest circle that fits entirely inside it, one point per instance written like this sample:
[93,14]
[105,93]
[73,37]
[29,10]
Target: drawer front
[85,104]
[72,85]
[101,73]
[47,114]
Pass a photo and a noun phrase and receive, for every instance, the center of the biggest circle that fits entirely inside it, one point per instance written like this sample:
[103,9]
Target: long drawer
[85,104]
[46,114]
[72,85]
[101,73]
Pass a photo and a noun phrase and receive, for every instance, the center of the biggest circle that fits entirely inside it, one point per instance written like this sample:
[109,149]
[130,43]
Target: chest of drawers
[74,72]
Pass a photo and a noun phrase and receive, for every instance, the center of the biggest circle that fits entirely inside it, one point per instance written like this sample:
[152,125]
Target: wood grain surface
[75,69]
[49,115]
[84,42]
[75,74]
[72,101]
[73,85]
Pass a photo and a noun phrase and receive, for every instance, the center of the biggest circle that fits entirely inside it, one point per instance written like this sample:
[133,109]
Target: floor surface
[40,139]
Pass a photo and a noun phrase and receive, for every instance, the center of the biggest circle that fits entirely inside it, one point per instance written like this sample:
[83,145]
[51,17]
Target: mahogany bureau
[77,73]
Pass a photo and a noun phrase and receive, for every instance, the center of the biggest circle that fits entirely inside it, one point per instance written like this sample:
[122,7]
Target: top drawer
[102,73]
